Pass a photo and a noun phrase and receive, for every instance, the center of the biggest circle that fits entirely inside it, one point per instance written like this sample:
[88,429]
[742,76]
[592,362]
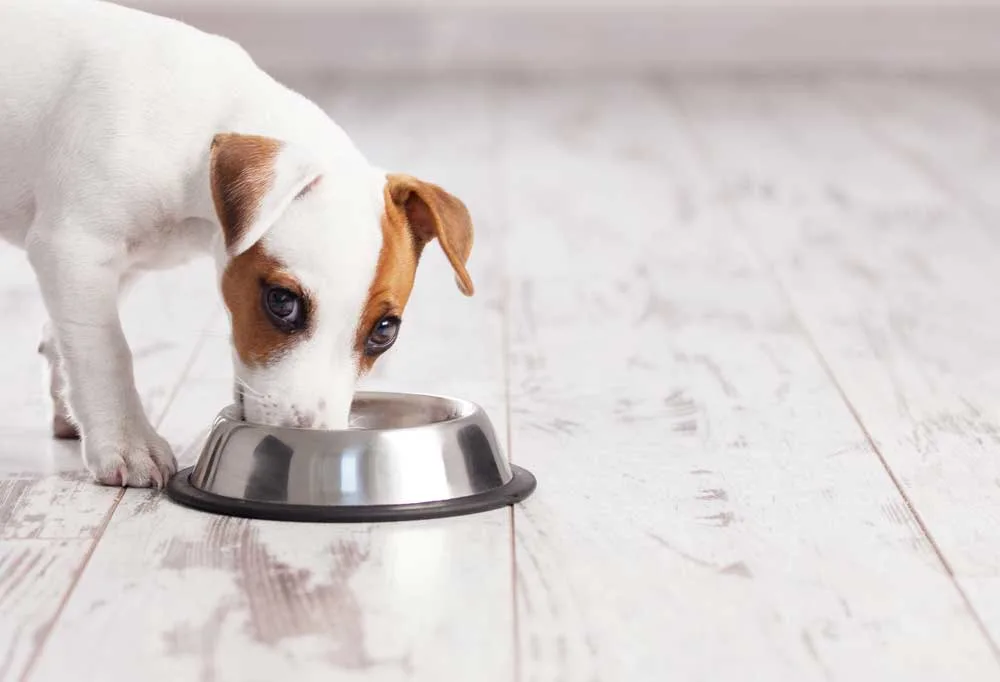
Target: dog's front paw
[137,458]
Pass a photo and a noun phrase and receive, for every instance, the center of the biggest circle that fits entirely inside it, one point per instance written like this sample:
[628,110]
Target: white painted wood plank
[892,278]
[192,596]
[927,381]
[946,129]
[34,577]
[708,505]
[180,594]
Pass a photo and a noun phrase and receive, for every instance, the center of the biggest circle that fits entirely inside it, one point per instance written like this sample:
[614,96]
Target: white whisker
[244,386]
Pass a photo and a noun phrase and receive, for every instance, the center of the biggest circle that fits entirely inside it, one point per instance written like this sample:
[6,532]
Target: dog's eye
[382,336]
[285,308]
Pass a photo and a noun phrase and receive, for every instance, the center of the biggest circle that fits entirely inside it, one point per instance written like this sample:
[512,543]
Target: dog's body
[129,142]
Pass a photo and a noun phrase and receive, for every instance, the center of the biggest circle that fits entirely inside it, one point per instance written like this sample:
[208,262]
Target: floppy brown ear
[431,212]
[253,180]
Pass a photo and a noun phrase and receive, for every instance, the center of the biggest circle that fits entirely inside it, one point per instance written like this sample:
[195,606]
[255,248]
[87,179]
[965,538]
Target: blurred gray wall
[603,35]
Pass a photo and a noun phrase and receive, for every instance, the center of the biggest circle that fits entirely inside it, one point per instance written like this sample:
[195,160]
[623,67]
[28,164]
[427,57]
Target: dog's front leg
[62,420]
[80,281]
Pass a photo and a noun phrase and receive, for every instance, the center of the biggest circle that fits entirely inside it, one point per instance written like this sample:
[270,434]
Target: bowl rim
[470,410]
[181,490]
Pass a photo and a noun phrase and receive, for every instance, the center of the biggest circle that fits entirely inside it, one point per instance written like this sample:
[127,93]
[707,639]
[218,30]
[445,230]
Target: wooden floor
[744,332]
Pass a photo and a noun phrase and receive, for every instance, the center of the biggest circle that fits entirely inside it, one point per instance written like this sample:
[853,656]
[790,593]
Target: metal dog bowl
[405,457]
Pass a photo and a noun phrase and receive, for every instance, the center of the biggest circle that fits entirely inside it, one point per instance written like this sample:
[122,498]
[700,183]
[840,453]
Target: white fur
[106,120]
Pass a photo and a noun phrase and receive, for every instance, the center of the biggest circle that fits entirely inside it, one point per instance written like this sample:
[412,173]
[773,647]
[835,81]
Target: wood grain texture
[945,129]
[185,595]
[889,273]
[746,329]
[709,504]
[35,576]
[900,299]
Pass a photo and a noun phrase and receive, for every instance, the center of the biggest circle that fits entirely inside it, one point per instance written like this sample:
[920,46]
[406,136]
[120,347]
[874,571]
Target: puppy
[130,142]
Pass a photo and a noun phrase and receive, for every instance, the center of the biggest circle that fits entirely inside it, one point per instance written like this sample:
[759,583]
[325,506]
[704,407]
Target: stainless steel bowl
[405,456]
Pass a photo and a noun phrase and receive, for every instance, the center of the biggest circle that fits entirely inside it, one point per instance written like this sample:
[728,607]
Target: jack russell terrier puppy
[131,142]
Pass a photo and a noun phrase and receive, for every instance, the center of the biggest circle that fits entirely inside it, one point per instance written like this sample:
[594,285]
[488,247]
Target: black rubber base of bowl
[180,490]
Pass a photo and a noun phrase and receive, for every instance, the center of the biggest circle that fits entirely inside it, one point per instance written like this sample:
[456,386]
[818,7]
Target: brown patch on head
[415,213]
[241,169]
[394,274]
[256,339]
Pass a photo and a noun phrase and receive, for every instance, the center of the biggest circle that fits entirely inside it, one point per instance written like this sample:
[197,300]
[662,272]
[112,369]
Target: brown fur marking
[415,213]
[390,289]
[257,341]
[241,171]
[431,213]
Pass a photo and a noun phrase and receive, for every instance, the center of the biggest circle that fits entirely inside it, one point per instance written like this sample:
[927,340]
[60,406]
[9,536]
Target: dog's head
[319,265]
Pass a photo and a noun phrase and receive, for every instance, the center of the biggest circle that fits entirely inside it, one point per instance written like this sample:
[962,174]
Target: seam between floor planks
[913,161]
[516,616]
[43,640]
[577,604]
[946,564]
[971,204]
[498,171]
